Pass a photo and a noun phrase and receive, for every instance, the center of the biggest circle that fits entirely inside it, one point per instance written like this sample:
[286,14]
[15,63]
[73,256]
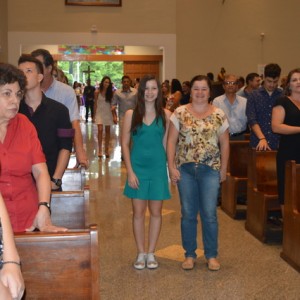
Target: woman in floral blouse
[198,150]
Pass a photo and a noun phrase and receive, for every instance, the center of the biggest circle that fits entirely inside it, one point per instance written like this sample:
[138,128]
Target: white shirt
[64,94]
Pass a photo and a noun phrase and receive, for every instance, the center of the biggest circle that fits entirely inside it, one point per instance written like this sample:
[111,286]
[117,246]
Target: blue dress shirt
[259,111]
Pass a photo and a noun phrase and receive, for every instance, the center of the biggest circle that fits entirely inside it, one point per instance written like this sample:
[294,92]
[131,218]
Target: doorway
[80,71]
[133,65]
[25,42]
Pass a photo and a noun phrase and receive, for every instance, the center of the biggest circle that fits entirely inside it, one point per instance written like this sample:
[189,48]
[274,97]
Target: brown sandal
[188,263]
[213,264]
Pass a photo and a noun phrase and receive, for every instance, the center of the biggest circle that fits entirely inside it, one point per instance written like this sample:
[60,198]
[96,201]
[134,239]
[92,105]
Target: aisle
[250,269]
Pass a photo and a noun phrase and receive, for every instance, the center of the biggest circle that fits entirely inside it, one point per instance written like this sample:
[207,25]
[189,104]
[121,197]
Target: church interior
[175,39]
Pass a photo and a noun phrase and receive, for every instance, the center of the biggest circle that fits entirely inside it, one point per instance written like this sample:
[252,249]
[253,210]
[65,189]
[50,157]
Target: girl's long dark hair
[176,86]
[139,111]
[109,91]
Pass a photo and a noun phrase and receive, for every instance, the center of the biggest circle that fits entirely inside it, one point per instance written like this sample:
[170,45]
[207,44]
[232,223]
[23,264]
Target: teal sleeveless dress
[149,163]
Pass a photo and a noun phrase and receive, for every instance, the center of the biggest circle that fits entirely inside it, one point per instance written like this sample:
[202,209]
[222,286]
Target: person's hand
[54,187]
[5,292]
[81,158]
[42,221]
[114,114]
[11,278]
[170,98]
[170,101]
[223,174]
[263,145]
[174,175]
[133,181]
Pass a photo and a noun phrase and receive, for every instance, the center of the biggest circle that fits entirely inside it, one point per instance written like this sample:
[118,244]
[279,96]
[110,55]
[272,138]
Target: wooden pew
[247,136]
[236,178]
[262,193]
[74,179]
[291,220]
[70,209]
[60,265]
[72,161]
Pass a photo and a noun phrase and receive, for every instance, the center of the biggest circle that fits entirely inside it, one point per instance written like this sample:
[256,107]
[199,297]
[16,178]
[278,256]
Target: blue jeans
[198,189]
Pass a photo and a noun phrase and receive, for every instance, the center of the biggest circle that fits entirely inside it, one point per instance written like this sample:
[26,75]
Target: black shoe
[275,220]
[242,200]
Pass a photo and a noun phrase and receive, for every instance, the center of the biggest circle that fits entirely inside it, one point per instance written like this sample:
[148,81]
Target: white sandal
[151,261]
[140,262]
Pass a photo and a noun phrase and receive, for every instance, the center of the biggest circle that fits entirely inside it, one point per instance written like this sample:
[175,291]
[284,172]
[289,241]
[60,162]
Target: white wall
[198,36]
[215,33]
[3,30]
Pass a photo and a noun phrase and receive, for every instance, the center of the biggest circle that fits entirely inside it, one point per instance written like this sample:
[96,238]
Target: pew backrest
[72,160]
[60,265]
[262,174]
[74,179]
[238,158]
[70,209]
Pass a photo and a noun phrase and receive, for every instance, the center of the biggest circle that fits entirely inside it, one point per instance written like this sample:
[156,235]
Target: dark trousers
[89,104]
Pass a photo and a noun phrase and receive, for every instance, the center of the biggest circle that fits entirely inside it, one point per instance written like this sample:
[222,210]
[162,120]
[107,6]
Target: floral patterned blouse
[199,138]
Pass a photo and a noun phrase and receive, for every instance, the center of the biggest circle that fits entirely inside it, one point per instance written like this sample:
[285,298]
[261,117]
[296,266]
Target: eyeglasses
[230,82]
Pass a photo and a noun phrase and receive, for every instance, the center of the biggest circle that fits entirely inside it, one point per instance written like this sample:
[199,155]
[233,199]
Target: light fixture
[94,29]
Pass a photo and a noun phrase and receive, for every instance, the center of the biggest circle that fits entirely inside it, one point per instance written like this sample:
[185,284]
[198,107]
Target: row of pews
[291,225]
[252,174]
[63,265]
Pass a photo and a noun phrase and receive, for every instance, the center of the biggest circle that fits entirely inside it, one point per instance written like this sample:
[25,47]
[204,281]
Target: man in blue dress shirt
[259,110]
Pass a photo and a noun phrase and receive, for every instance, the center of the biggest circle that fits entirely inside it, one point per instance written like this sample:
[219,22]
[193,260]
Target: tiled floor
[250,269]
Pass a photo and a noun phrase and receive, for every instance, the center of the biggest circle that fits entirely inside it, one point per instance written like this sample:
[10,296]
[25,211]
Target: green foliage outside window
[74,71]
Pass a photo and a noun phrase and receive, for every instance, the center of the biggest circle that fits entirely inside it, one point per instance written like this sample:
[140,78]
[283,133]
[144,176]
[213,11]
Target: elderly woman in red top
[24,178]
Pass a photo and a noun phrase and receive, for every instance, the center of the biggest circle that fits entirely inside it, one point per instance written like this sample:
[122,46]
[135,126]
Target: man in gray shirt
[124,98]
[252,83]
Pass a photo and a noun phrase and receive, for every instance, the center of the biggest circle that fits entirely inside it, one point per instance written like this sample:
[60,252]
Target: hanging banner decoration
[90,50]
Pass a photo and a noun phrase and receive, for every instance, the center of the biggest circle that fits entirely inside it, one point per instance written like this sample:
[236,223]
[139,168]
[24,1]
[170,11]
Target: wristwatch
[47,204]
[57,182]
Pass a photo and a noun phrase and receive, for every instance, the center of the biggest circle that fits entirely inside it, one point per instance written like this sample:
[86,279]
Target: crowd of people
[177,131]
[201,119]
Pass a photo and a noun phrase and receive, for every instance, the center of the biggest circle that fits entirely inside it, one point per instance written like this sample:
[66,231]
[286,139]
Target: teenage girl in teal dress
[143,146]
